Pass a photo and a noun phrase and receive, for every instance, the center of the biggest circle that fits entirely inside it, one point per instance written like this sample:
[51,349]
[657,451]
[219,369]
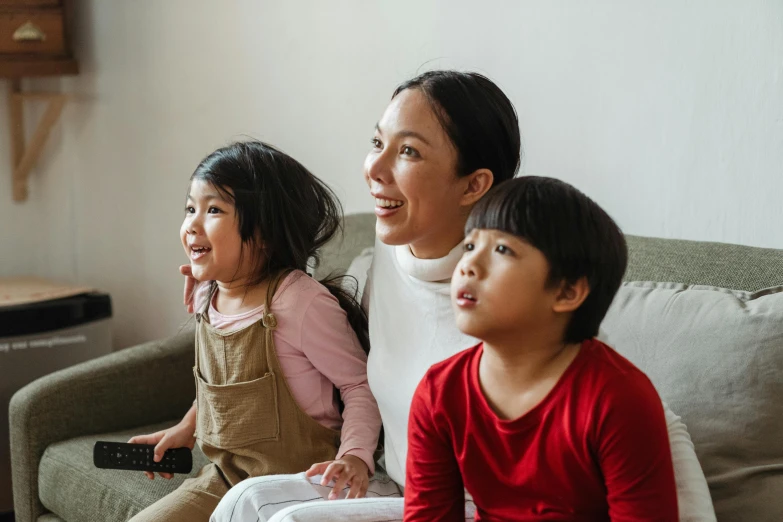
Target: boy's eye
[410,151]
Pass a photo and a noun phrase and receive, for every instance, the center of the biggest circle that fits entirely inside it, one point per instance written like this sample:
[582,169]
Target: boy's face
[499,287]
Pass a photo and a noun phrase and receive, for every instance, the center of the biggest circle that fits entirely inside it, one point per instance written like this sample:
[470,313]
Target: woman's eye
[376,143]
[409,151]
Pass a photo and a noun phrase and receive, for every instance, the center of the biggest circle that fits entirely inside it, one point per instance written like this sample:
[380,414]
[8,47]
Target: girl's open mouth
[197,252]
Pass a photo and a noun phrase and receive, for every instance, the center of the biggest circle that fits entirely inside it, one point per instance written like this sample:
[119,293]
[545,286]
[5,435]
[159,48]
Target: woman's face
[412,174]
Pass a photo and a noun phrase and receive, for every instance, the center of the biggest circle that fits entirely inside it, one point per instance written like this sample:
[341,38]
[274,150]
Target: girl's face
[412,174]
[210,236]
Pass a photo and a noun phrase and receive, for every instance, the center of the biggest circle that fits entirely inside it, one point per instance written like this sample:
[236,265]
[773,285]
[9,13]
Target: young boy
[540,421]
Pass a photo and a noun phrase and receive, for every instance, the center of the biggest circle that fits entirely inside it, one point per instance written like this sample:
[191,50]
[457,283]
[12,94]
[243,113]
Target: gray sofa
[55,420]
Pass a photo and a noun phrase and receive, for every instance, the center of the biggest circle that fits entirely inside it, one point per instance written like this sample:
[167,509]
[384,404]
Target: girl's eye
[410,151]
[503,249]
[469,247]
[376,143]
[190,210]
[213,210]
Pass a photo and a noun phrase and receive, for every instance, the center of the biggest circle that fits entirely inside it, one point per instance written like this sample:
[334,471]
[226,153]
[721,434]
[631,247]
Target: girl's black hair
[285,214]
[577,237]
[478,117]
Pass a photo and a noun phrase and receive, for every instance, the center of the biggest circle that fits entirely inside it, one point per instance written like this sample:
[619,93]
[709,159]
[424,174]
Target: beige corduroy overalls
[248,423]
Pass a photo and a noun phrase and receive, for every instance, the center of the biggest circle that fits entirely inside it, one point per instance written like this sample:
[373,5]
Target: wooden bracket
[24,157]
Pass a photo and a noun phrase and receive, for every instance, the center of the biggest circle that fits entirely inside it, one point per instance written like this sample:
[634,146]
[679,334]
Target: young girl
[272,344]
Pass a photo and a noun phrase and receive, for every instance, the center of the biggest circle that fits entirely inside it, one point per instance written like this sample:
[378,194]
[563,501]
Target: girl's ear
[571,295]
[478,183]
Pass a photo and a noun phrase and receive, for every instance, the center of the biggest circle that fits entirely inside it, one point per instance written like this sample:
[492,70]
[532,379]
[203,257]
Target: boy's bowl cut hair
[577,237]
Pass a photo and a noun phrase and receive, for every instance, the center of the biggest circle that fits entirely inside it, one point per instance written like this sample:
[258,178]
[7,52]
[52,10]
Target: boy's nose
[467,268]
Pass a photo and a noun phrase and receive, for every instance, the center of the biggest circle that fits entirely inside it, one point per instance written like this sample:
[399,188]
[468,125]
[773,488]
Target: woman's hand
[179,436]
[190,284]
[349,470]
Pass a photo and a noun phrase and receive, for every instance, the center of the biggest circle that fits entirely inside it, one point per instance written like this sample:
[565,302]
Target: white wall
[668,113]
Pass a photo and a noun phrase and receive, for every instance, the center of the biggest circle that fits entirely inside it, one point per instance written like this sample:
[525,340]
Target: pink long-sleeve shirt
[318,351]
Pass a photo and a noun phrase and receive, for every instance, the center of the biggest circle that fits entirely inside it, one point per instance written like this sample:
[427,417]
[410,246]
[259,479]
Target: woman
[444,140]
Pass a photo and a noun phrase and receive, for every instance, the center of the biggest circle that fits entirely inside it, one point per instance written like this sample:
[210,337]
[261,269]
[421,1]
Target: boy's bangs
[503,210]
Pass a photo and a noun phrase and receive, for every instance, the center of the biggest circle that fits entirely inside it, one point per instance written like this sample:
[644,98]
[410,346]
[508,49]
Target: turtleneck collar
[430,270]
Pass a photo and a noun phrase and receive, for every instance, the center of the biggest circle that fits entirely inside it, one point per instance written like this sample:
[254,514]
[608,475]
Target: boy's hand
[190,284]
[179,436]
[349,470]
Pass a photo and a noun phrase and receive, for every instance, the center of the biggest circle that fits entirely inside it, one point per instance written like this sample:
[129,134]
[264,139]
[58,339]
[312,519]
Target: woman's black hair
[577,237]
[285,214]
[480,120]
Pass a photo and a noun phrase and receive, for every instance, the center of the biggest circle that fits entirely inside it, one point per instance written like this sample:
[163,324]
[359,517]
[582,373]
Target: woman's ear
[571,295]
[478,183]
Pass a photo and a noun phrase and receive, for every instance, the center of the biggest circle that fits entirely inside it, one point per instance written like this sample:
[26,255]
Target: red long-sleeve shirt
[596,447]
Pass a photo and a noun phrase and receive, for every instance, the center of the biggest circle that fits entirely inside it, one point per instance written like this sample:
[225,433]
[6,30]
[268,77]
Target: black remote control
[138,457]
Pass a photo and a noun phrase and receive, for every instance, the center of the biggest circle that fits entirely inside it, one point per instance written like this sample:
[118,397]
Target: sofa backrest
[651,259]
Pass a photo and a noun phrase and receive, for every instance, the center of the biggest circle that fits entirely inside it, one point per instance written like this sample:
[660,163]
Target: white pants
[295,498]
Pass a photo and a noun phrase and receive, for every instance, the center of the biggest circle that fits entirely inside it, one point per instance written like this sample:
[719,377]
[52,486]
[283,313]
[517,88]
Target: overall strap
[268,320]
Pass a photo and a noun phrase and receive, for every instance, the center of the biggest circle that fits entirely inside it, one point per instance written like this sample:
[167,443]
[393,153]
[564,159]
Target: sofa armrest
[137,386]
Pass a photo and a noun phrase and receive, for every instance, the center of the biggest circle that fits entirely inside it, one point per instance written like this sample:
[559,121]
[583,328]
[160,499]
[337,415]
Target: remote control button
[118,458]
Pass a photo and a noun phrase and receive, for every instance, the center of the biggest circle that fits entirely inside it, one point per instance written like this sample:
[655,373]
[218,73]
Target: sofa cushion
[716,357]
[75,490]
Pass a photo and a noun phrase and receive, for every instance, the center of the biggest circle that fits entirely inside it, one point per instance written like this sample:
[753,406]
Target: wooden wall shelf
[34,42]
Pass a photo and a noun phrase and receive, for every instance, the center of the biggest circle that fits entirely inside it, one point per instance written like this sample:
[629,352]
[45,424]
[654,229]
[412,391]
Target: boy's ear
[478,183]
[571,295]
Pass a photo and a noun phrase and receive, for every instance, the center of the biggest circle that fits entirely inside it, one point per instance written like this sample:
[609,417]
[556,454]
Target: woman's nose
[378,168]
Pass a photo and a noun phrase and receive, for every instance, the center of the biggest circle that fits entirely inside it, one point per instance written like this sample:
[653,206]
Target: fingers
[161,447]
[332,471]
[340,481]
[358,488]
[342,475]
[317,469]
[190,283]
[152,438]
[162,442]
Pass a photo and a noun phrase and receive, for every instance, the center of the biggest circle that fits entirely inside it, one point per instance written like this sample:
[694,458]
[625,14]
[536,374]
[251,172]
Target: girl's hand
[190,284]
[179,436]
[348,470]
